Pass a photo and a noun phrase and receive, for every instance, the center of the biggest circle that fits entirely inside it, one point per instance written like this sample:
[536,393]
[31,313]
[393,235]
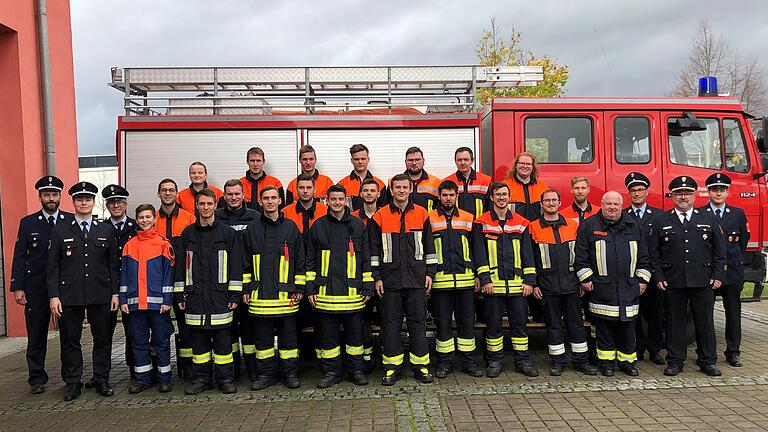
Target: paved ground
[691,401]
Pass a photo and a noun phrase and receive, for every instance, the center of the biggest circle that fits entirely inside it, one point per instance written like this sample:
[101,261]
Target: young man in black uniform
[116,198]
[339,283]
[84,276]
[208,270]
[733,223]
[238,215]
[689,256]
[649,324]
[28,282]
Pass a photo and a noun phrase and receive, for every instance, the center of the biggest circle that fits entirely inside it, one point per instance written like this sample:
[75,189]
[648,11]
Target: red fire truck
[174,116]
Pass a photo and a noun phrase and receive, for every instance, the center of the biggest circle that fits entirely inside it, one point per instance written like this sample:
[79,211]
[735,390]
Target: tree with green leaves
[493,49]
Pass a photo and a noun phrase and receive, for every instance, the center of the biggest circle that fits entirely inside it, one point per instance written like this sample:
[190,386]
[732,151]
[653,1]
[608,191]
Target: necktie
[685,220]
[718,213]
[50,221]
[639,213]
[119,226]
[85,228]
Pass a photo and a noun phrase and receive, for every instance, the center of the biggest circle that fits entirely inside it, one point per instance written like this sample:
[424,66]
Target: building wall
[22,157]
[101,177]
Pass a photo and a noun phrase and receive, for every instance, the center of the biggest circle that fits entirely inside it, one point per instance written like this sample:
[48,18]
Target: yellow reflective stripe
[247,278]
[222,359]
[520,343]
[220,319]
[439,249]
[394,360]
[606,355]
[478,207]
[605,310]
[185,352]
[265,354]
[289,354]
[418,360]
[311,276]
[466,345]
[329,353]
[620,356]
[178,287]
[235,286]
[516,251]
[632,256]
[584,274]
[483,269]
[249,349]
[283,271]
[465,248]
[354,350]
[235,347]
[367,276]
[193,319]
[602,265]
[188,273]
[494,344]
[386,241]
[299,279]
[222,255]
[351,266]
[544,254]
[643,274]
[572,253]
[493,260]
[257,267]
[529,270]
[444,347]
[325,262]
[201,358]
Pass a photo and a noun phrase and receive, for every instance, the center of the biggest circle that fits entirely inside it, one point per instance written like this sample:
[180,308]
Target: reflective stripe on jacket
[455,269]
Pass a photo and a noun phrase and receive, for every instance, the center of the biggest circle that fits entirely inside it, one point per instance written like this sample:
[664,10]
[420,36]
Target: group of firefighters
[243,266]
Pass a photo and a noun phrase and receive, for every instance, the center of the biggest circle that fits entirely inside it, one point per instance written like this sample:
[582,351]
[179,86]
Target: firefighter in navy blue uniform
[612,263]
[208,284]
[733,223]
[83,280]
[504,264]
[339,283]
[473,186]
[116,199]
[553,238]
[236,214]
[454,283]
[649,323]
[28,282]
[275,275]
[403,261]
[689,254]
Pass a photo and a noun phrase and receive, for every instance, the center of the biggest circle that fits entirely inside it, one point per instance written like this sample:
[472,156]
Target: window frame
[718,121]
[743,143]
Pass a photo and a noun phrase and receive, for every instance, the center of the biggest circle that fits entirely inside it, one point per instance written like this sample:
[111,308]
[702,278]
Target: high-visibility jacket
[526,196]
[339,264]
[305,217]
[322,183]
[362,215]
[352,184]
[574,213]
[503,253]
[473,191]
[614,257]
[275,266]
[171,225]
[554,252]
[146,272]
[424,191]
[252,188]
[208,274]
[455,269]
[186,197]
[402,246]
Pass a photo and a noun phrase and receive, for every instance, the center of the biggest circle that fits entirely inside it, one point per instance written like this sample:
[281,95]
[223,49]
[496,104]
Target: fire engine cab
[174,116]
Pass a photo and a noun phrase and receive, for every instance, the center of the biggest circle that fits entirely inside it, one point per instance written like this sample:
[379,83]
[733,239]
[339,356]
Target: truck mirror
[687,123]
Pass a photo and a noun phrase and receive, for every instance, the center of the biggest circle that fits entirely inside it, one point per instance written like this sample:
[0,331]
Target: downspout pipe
[45,86]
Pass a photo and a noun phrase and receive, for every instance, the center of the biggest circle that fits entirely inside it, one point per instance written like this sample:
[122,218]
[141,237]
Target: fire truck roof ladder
[259,90]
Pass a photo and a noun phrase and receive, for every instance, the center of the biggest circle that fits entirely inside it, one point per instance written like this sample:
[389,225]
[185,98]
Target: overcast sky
[613,48]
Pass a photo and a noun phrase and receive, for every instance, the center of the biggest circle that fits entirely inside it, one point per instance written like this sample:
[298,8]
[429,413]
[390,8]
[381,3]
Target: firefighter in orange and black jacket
[554,250]
[473,185]
[339,283]
[403,261]
[275,277]
[504,265]
[453,287]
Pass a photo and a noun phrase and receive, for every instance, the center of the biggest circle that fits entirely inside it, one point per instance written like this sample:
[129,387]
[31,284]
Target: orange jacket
[179,219]
[352,184]
[304,218]
[322,183]
[526,196]
[186,197]
[473,192]
[575,214]
[554,251]
[253,186]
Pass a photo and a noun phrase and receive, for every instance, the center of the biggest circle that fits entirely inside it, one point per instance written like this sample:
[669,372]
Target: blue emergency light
[708,86]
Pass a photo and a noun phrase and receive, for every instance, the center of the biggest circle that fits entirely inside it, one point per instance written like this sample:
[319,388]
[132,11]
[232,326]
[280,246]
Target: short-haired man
[554,245]
[612,263]
[171,222]
[275,277]
[453,287]
[208,284]
[255,179]
[581,208]
[424,188]
[308,161]
[83,280]
[308,207]
[339,283]
[689,255]
[198,177]
[473,185]
[146,296]
[353,182]
[733,223]
[525,186]
[649,320]
[403,260]
[28,281]
[505,267]
[238,216]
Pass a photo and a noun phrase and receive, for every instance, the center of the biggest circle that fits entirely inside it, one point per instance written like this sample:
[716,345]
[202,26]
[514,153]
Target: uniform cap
[683,183]
[114,191]
[83,188]
[636,178]
[51,183]
[719,179]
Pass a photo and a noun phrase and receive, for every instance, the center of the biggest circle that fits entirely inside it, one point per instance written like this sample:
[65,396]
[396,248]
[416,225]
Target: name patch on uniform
[600,233]
[68,240]
[702,225]
[666,228]
[101,238]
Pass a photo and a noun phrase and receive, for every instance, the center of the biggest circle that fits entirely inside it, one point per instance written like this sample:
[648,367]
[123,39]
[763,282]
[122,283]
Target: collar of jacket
[195,192]
[579,210]
[619,224]
[252,179]
[238,212]
[172,214]
[472,175]
[210,227]
[555,223]
[442,212]
[353,176]
[517,180]
[264,218]
[344,218]
[395,208]
[146,234]
[311,209]
[424,176]
[495,217]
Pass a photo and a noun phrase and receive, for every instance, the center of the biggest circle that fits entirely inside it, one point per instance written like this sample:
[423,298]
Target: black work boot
[494,369]
[227,387]
[197,387]
[526,368]
[263,381]
[329,380]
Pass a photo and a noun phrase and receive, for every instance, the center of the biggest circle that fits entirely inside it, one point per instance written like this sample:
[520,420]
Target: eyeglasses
[528,164]
[413,161]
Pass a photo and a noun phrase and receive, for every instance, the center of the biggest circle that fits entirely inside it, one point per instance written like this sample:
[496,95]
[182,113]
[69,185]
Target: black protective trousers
[287,342]
[447,304]
[211,355]
[330,349]
[516,308]
[410,303]
[615,342]
[562,316]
